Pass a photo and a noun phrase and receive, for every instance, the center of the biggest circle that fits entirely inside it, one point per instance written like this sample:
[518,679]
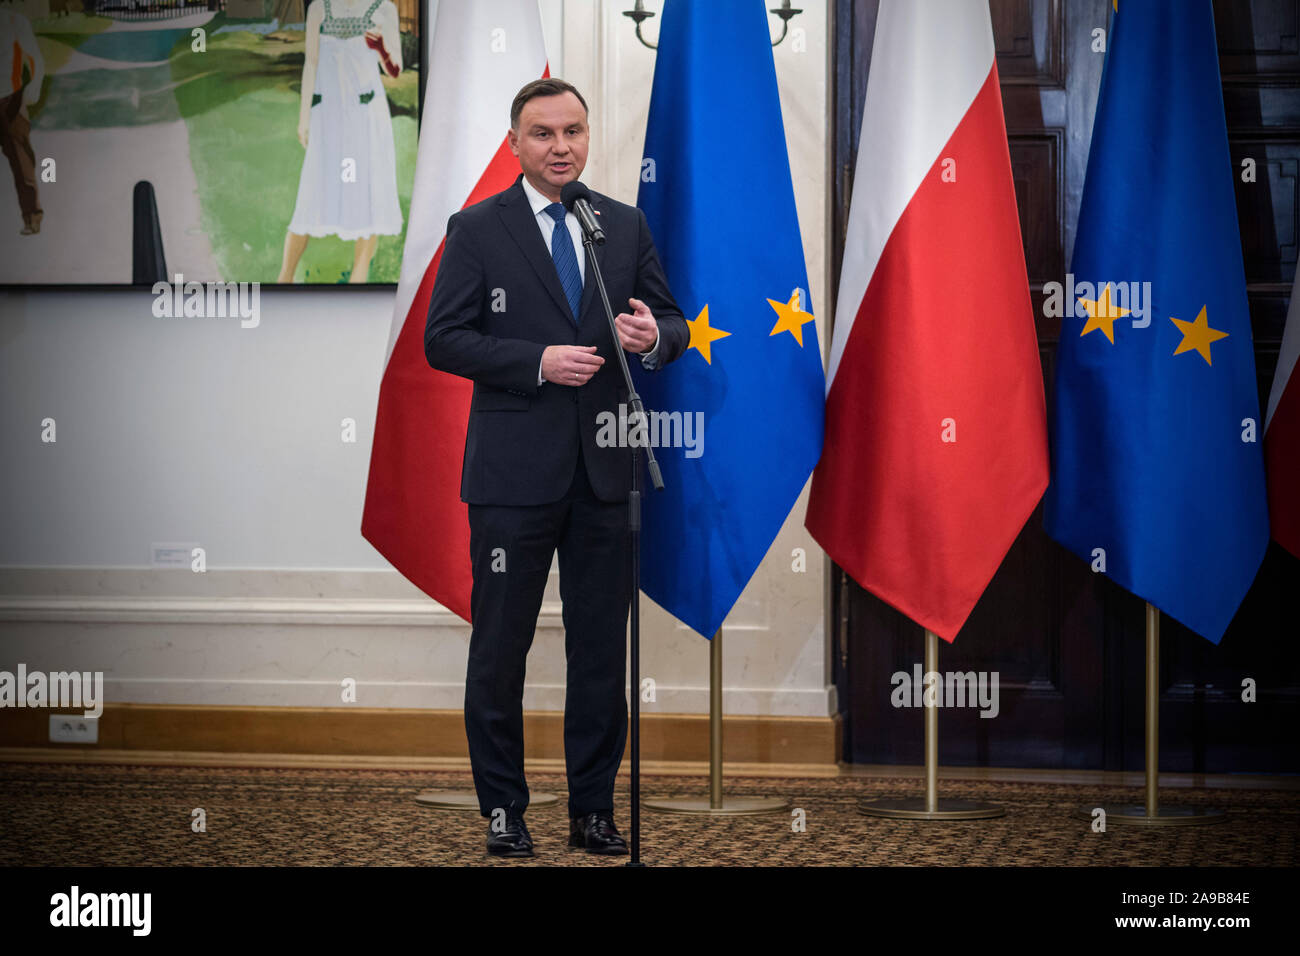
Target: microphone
[576,198]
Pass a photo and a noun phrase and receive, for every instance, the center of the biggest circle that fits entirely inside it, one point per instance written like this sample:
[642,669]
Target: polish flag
[936,436]
[481,54]
[1282,436]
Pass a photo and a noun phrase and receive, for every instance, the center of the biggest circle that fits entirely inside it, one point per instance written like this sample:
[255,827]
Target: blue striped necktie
[566,260]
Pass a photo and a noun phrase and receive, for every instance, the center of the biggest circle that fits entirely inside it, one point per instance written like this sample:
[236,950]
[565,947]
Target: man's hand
[637,332]
[570,364]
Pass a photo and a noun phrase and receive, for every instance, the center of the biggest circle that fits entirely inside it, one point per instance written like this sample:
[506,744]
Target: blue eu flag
[716,191]
[1157,469]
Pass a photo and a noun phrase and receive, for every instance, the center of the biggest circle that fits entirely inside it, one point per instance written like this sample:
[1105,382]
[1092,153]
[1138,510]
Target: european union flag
[1157,469]
[716,191]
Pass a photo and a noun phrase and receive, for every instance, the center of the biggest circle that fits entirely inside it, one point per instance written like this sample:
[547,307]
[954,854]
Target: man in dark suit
[515,308]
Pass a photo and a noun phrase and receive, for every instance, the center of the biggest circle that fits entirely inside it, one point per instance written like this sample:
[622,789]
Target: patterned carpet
[98,815]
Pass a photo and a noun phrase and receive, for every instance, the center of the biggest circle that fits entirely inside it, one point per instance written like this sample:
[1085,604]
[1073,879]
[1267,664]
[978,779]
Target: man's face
[551,142]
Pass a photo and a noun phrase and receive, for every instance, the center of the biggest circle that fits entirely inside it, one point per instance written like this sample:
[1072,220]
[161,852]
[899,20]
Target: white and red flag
[1282,436]
[935,449]
[482,53]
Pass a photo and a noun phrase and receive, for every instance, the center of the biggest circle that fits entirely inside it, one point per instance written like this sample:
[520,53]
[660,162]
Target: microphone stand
[638,414]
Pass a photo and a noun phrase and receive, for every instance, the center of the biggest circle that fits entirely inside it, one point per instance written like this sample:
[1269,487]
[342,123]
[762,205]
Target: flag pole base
[915,808]
[468,799]
[1133,814]
[731,806]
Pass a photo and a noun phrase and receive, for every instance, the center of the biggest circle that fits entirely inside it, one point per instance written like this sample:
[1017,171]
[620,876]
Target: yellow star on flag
[1197,335]
[791,317]
[1102,314]
[703,336]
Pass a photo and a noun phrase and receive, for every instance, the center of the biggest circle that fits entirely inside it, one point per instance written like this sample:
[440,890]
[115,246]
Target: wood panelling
[1029,41]
[1268,208]
[369,731]
[1036,170]
[1258,41]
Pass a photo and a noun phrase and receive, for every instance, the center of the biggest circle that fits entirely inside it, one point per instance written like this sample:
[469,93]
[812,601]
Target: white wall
[188,429]
[198,431]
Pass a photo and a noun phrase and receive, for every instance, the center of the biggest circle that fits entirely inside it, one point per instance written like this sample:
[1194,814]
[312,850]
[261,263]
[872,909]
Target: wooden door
[1068,644]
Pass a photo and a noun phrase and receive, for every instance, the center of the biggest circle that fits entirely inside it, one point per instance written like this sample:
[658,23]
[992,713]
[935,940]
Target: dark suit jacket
[497,303]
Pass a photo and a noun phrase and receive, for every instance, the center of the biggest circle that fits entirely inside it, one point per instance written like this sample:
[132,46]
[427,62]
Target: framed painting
[268,141]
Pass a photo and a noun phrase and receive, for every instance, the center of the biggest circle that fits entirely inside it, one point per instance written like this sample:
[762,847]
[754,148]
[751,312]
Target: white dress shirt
[546,224]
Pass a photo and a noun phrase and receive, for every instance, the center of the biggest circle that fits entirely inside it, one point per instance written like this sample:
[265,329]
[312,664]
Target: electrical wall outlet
[73,729]
[171,554]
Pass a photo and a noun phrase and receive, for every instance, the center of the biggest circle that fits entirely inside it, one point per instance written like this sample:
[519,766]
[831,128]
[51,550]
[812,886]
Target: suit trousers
[511,548]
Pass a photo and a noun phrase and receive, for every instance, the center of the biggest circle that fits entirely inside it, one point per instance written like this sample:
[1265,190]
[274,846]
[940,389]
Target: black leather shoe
[596,833]
[513,841]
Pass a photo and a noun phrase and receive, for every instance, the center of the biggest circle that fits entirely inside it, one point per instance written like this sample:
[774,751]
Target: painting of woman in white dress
[348,184]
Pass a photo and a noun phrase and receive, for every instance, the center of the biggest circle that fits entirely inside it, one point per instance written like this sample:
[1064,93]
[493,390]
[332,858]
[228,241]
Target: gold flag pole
[930,807]
[716,803]
[1152,814]
[715,721]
